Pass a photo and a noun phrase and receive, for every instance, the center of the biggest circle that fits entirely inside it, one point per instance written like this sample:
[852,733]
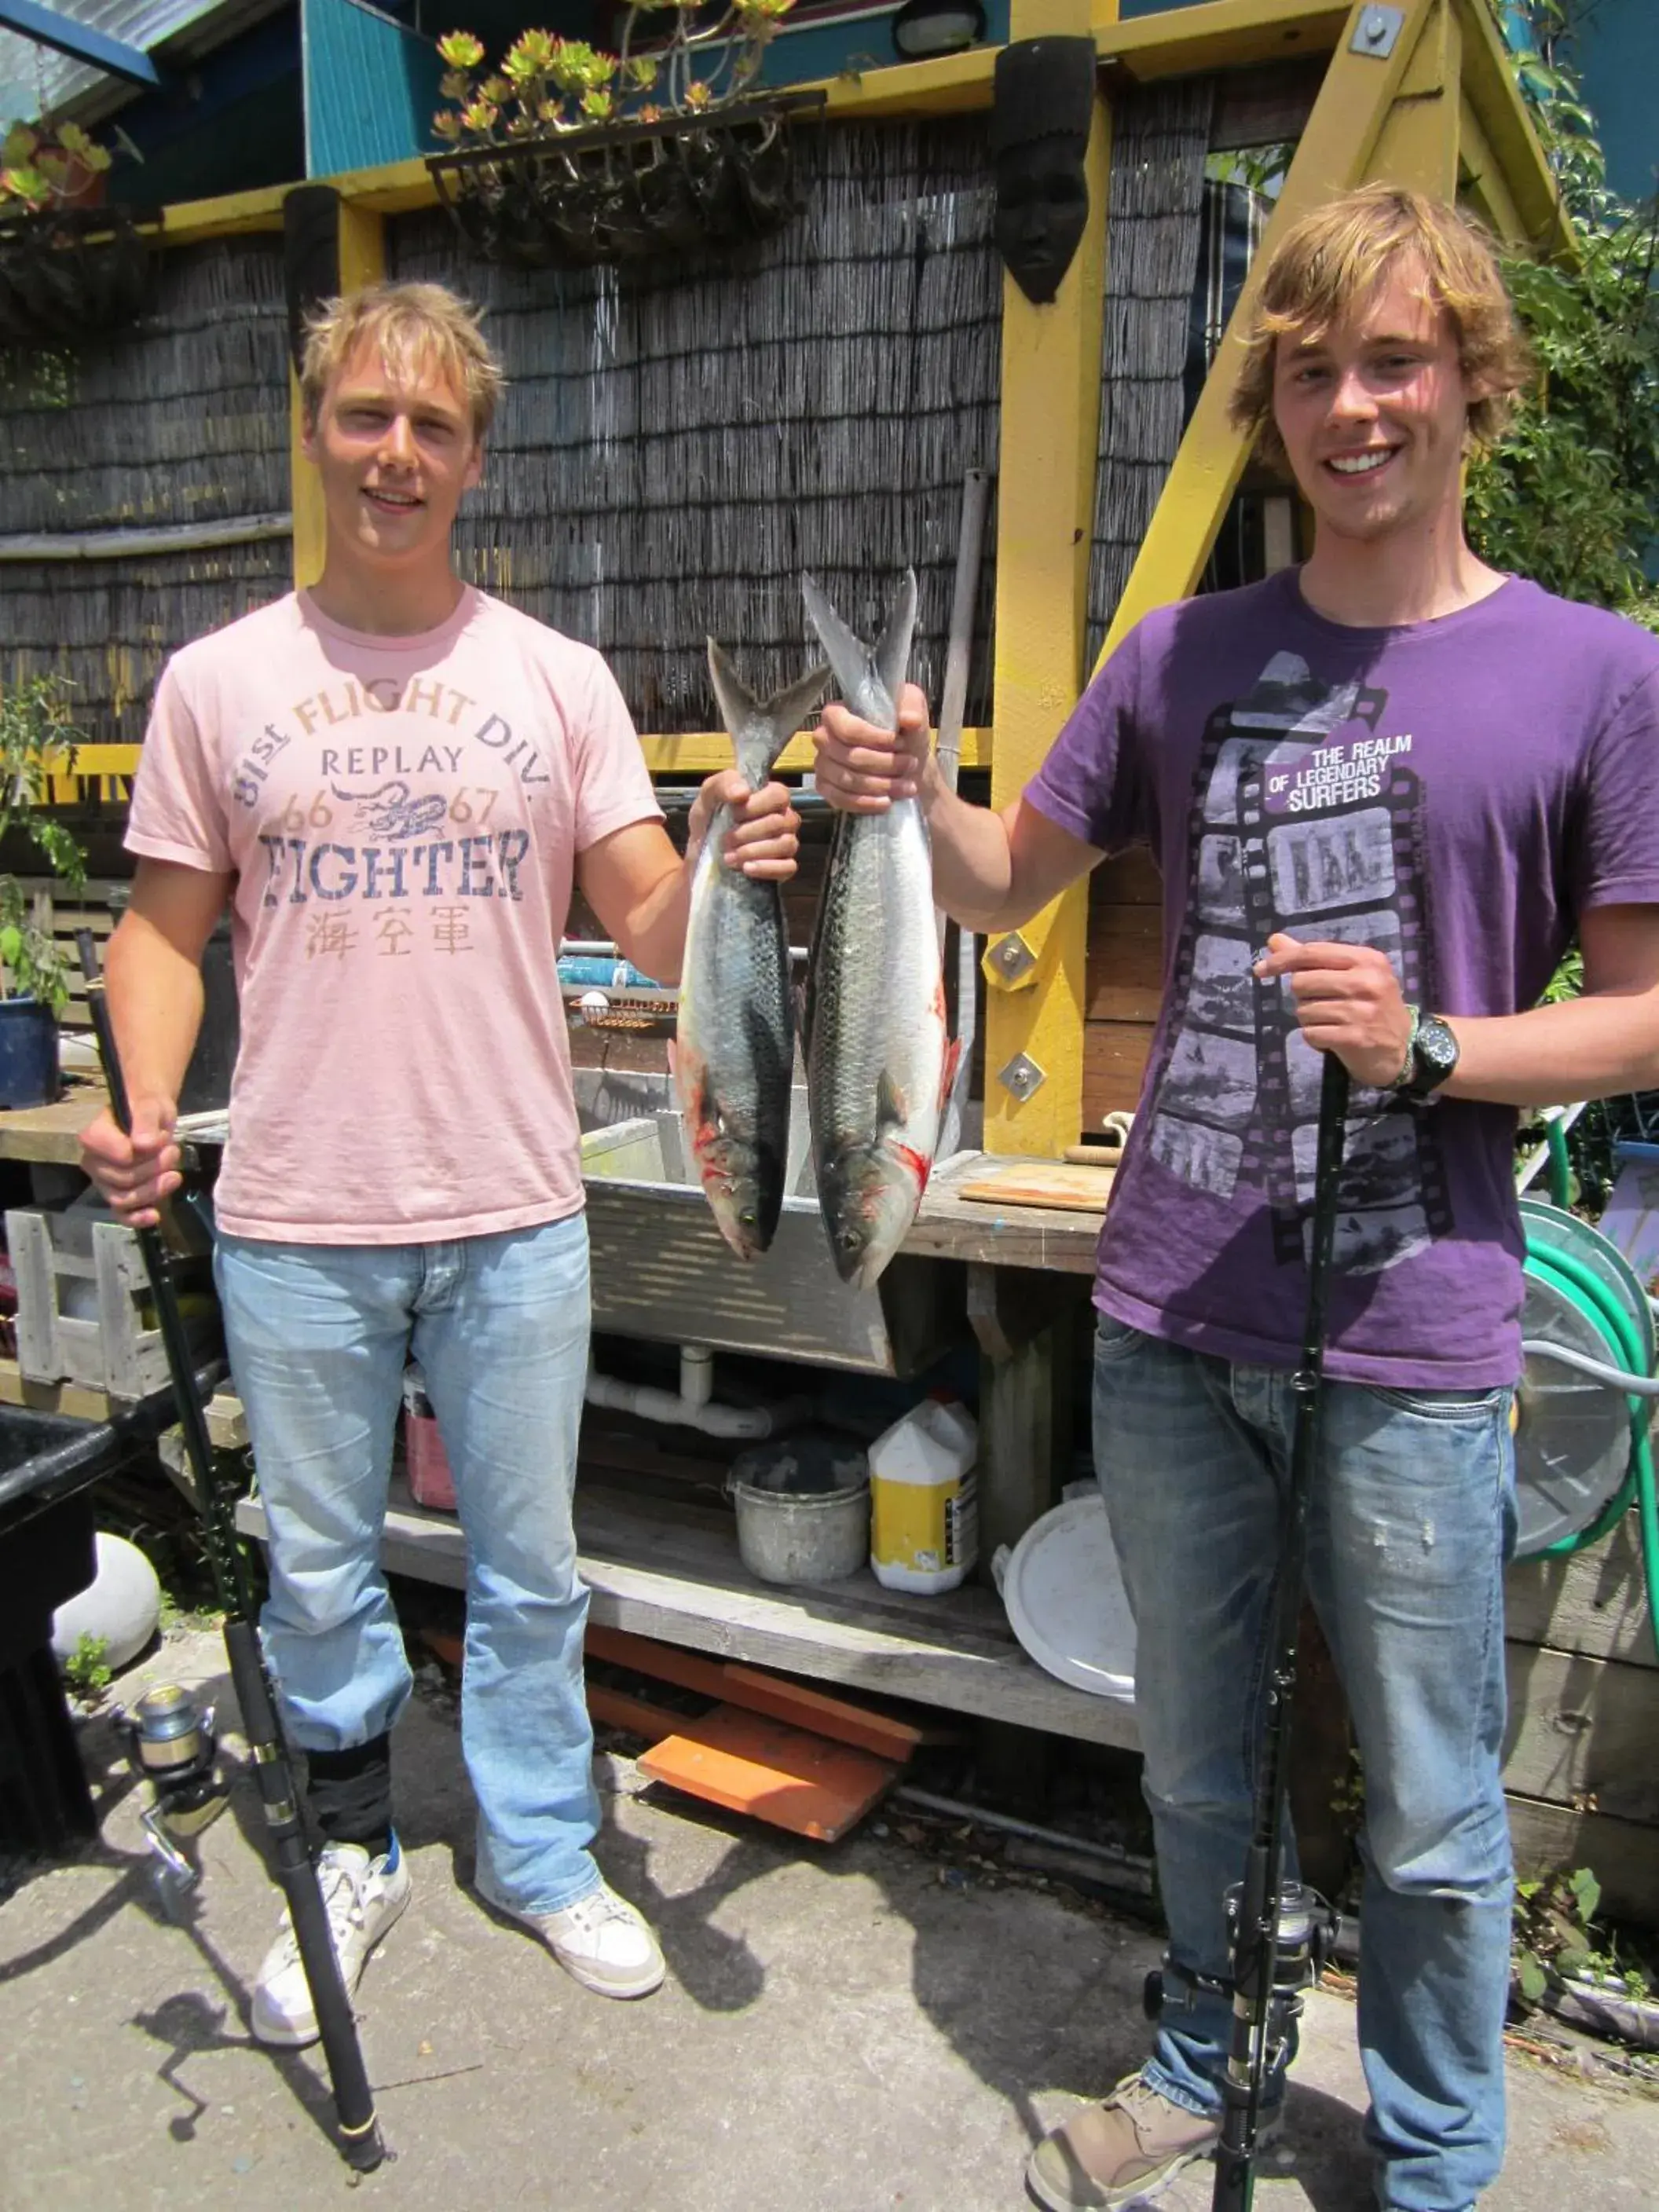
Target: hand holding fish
[765,832]
[862,768]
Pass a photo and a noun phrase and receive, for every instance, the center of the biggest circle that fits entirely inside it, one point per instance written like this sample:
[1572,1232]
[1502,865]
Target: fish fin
[891,658]
[784,713]
[848,656]
[952,1061]
[739,708]
[891,1110]
[760,728]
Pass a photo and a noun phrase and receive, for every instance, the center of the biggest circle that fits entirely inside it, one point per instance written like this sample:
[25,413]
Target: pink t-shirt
[402,816]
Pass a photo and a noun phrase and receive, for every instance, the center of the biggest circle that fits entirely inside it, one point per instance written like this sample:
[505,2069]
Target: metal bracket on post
[1023,1077]
[1377,31]
[1012,957]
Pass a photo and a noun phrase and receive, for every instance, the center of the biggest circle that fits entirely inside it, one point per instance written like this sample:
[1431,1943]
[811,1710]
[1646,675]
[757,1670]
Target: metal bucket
[787,1537]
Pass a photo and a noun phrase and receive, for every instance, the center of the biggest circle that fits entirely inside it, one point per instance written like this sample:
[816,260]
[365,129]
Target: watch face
[1437,1051]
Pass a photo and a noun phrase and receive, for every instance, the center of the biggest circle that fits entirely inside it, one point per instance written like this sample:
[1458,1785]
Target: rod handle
[104,1029]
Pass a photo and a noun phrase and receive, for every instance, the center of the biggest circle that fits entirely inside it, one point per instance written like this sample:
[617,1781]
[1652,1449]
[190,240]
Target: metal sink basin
[661,1269]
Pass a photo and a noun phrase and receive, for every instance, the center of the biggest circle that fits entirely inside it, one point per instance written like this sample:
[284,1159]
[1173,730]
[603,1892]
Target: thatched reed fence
[679,440]
[180,419]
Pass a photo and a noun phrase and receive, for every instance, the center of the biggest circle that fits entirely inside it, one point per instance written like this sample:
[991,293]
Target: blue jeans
[319,1335]
[1410,1520]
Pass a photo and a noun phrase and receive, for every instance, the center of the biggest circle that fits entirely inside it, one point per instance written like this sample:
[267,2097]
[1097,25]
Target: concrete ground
[844,2029]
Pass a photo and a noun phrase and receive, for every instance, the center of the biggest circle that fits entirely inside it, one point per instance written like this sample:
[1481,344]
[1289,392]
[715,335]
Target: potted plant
[568,156]
[70,266]
[37,743]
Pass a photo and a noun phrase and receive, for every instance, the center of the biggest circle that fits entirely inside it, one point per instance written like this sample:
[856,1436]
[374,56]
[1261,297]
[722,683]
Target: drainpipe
[694,1407]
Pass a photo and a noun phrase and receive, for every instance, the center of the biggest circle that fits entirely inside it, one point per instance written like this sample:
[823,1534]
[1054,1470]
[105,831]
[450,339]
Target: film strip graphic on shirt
[1234,1103]
[1352,873]
[1203,1097]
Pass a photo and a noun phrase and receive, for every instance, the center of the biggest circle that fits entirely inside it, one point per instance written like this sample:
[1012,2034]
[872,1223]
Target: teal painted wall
[1619,56]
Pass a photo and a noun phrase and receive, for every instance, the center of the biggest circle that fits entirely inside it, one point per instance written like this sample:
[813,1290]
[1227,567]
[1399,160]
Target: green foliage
[85,1670]
[38,741]
[547,84]
[1556,1938]
[1571,497]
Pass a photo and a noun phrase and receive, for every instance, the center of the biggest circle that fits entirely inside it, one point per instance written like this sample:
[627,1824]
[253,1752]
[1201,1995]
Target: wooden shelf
[663,1569]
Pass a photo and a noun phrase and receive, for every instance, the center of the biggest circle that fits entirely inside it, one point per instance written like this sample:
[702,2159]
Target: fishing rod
[1281,1933]
[360,2142]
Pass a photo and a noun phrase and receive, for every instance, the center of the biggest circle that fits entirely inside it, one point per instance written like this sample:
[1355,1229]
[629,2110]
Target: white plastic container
[924,1511]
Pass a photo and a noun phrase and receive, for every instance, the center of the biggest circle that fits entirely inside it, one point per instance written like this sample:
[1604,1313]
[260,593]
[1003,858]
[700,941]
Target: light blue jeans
[1410,1520]
[318,1336]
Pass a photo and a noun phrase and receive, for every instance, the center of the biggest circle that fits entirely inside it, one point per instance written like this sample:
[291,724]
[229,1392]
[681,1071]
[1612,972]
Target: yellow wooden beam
[1219,34]
[1418,143]
[1480,176]
[700,752]
[363,261]
[950,85]
[1050,418]
[1490,87]
[231,215]
[1333,154]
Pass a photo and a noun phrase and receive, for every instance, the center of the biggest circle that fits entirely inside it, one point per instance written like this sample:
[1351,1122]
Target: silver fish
[734,1048]
[879,1058]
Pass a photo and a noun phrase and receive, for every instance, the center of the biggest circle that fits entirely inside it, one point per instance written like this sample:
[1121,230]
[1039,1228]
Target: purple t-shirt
[1456,793]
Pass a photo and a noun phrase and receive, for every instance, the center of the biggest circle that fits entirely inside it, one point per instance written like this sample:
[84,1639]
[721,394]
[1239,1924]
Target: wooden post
[1050,420]
[1335,152]
[363,261]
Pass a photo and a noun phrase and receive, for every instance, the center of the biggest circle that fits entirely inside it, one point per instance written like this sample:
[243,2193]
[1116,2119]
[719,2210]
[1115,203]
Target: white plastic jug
[924,1512]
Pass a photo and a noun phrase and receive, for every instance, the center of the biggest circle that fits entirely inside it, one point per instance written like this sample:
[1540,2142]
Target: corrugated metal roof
[33,76]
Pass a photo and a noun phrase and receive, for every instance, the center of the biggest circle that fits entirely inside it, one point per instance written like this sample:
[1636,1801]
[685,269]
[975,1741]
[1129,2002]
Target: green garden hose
[1625,1370]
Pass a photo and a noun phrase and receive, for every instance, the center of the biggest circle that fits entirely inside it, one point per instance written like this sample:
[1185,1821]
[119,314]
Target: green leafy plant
[1571,497]
[1556,1938]
[546,84]
[47,164]
[37,742]
[86,1668]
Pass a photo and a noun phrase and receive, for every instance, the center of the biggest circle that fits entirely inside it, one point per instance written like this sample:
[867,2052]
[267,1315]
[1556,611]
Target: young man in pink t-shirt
[395,781]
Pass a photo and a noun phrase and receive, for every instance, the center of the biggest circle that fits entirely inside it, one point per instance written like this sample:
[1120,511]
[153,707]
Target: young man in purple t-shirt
[1385,791]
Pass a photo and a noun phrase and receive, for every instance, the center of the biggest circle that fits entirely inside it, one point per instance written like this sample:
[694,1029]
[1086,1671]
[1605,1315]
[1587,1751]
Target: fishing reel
[1307,1942]
[170,1740]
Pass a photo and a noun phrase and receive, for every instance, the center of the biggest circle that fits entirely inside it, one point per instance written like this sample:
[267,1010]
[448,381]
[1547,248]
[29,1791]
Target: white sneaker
[602,1942]
[362,1897]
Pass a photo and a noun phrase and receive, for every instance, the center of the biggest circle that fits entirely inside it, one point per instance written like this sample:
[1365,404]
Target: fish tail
[848,656]
[760,728]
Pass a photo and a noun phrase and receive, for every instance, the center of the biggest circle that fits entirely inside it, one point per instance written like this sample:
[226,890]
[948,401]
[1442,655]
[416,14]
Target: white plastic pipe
[742,1424]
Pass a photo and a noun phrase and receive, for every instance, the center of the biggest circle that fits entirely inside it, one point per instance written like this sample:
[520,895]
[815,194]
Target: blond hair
[1337,259]
[409,325]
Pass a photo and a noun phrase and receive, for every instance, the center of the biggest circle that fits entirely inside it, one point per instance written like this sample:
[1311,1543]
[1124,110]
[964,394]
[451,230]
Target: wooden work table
[51,1135]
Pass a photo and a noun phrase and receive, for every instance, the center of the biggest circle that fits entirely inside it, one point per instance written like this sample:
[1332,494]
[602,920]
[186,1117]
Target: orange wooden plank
[618,1709]
[667,1662]
[784,1700]
[751,1765]
[759,1692]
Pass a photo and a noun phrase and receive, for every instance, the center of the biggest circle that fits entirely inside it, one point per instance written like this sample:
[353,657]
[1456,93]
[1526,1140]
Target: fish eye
[747,1220]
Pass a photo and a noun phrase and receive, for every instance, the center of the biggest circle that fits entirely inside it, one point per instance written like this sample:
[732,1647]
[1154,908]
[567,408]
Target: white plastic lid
[1065,1601]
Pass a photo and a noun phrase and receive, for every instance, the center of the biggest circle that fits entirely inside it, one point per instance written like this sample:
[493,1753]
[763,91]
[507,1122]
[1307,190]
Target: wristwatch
[1433,1056]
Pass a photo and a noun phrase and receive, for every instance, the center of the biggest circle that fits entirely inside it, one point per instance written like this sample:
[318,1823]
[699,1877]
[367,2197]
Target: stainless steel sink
[662,1270]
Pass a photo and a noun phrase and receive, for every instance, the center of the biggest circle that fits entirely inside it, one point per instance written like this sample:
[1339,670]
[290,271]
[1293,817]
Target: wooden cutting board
[1040,1182]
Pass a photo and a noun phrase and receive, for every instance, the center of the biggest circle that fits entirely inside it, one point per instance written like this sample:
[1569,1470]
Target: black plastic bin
[48,1554]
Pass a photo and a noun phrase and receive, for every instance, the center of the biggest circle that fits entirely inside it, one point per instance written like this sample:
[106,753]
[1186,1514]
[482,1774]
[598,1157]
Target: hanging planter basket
[69,273]
[628,191]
